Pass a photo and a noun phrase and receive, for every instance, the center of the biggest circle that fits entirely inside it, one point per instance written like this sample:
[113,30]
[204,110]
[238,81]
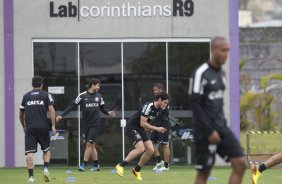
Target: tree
[257,105]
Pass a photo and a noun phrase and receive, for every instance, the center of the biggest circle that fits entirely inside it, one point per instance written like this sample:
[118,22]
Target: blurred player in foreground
[211,132]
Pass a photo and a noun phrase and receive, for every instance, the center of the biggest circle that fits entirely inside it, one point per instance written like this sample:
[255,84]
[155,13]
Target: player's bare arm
[52,117]
[21,116]
[145,125]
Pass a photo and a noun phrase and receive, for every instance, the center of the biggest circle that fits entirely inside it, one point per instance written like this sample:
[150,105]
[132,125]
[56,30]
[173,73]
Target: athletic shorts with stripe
[91,134]
[160,138]
[33,136]
[136,135]
[228,148]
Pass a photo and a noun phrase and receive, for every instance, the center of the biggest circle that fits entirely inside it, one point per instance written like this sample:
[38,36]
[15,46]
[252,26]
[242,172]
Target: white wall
[31,20]
[2,122]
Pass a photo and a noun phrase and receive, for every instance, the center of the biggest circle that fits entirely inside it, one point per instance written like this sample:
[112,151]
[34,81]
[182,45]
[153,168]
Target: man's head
[161,100]
[94,84]
[37,81]
[158,87]
[219,50]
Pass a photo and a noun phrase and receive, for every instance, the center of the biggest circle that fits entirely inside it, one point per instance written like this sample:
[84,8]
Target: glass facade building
[129,45]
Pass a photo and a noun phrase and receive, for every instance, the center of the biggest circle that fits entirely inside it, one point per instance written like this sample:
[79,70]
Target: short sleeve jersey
[35,106]
[148,110]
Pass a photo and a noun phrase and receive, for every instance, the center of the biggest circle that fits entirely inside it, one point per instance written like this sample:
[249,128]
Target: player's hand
[83,138]
[161,129]
[58,118]
[53,130]
[112,113]
[214,138]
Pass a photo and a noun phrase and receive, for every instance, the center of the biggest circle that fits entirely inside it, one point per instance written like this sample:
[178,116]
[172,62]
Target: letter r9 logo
[181,8]
[189,8]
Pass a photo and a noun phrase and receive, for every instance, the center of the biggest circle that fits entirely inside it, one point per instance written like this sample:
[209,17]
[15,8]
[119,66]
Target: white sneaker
[31,179]
[164,168]
[158,165]
[46,175]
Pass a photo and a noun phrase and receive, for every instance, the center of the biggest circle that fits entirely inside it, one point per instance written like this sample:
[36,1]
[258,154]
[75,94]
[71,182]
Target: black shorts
[91,134]
[34,136]
[136,135]
[160,138]
[227,149]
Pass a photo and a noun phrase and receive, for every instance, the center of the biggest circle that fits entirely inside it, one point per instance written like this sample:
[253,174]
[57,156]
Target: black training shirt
[148,110]
[35,106]
[91,104]
[162,119]
[207,89]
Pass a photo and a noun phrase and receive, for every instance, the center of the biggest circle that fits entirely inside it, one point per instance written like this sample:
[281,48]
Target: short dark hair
[37,81]
[159,86]
[93,81]
[216,39]
[162,95]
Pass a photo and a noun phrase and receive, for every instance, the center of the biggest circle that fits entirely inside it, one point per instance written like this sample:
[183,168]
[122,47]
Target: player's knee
[29,157]
[150,150]
[240,165]
[140,149]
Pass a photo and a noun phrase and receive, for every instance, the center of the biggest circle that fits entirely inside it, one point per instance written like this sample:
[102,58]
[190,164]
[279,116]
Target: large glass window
[69,66]
[103,61]
[144,65]
[183,59]
[57,63]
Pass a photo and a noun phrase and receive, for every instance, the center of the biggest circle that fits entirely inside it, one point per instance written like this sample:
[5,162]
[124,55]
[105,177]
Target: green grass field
[177,175]
[263,143]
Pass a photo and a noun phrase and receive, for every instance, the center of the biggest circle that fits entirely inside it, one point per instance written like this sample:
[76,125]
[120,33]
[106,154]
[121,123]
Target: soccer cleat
[82,167]
[31,179]
[158,165]
[164,168]
[137,174]
[119,170]
[255,174]
[46,175]
[95,168]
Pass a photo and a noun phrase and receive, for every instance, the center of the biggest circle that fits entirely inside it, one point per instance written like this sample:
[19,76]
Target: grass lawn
[177,175]
[263,143]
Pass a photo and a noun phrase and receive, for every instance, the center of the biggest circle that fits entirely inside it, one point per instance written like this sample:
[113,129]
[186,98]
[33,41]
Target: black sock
[95,163]
[123,163]
[166,164]
[262,167]
[85,162]
[30,172]
[46,164]
[138,168]
[158,159]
